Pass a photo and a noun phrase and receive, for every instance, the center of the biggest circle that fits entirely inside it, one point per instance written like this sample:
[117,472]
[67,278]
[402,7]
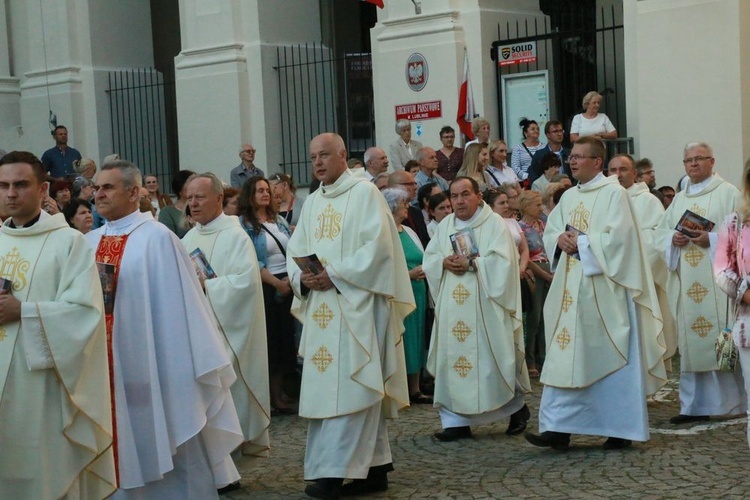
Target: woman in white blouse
[591,122]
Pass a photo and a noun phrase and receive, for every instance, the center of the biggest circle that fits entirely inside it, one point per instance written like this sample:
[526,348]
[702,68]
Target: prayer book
[465,243]
[202,267]
[7,285]
[691,222]
[107,278]
[309,264]
[578,232]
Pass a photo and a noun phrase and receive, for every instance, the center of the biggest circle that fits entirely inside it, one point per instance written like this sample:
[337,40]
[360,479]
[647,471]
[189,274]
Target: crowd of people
[155,334]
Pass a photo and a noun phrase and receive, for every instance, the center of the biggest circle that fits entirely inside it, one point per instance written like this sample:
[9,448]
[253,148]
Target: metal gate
[582,48]
[143,115]
[321,93]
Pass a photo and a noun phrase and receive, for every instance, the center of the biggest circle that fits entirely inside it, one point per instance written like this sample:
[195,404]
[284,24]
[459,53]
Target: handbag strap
[281,247]
[738,258]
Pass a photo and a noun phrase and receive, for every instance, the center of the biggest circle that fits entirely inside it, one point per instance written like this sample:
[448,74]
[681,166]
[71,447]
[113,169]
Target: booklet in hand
[465,243]
[691,222]
[202,267]
[109,287]
[578,232]
[7,285]
[309,264]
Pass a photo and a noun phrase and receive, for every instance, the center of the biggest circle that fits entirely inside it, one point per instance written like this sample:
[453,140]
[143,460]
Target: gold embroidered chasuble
[649,212]
[477,349]
[236,298]
[696,302]
[586,317]
[351,340]
[56,422]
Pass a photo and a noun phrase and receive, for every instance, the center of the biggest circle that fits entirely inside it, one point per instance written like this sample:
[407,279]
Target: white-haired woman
[480,127]
[591,121]
[414,324]
[404,149]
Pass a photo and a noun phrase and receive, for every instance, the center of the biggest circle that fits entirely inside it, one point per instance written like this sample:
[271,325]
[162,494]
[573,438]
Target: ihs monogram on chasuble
[329,224]
[579,217]
[14,268]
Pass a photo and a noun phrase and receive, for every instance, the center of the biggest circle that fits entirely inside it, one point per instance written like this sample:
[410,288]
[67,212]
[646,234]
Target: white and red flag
[465,113]
[379,3]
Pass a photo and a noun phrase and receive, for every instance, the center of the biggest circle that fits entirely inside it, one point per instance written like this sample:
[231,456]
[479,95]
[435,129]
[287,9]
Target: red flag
[465,113]
[379,3]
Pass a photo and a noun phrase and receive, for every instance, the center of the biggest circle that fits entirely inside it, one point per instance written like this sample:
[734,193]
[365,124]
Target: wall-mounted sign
[518,53]
[417,71]
[419,111]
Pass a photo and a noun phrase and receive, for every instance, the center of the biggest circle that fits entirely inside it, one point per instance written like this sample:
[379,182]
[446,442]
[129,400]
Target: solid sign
[417,72]
[517,53]
[419,111]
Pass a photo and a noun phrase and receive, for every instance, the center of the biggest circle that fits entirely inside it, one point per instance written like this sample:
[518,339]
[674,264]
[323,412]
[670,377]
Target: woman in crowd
[83,188]
[85,167]
[530,205]
[498,171]
[414,324]
[550,167]
[270,234]
[173,216]
[60,192]
[404,149]
[732,271]
[520,160]
[481,129]
[291,204]
[412,166]
[449,157]
[591,121]
[476,159]
[548,201]
[78,215]
[423,198]
[511,192]
[229,204]
[157,199]
[439,206]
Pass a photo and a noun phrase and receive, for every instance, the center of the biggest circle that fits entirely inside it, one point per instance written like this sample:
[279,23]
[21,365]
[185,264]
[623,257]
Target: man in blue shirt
[246,168]
[58,161]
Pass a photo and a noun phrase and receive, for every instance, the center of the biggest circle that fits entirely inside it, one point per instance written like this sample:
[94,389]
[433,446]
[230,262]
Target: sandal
[420,399]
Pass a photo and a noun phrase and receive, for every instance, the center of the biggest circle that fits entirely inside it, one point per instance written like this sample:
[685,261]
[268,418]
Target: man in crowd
[354,372]
[174,419]
[56,431]
[601,361]
[414,218]
[376,162]
[428,164]
[646,174]
[555,131]
[58,161]
[246,168]
[648,212]
[477,320]
[698,305]
[235,294]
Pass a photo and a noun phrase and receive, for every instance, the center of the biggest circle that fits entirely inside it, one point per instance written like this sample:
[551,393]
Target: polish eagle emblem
[416,72]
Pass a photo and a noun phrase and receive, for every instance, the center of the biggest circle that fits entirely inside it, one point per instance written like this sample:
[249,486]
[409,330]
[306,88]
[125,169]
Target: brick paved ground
[702,461]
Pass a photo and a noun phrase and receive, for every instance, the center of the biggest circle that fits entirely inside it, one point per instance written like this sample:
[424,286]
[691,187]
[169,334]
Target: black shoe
[518,421]
[229,488]
[453,433]
[360,487]
[687,419]
[616,443]
[327,488]
[549,439]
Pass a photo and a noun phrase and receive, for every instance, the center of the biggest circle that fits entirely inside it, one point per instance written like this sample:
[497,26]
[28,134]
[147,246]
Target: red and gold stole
[108,257]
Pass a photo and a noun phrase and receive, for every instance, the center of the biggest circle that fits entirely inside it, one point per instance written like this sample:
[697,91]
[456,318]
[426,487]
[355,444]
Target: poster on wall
[517,53]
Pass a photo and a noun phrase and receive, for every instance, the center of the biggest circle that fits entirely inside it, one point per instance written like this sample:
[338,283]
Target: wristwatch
[472,267]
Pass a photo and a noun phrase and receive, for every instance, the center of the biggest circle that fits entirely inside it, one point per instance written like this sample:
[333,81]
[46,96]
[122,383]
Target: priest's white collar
[698,186]
[216,222]
[124,224]
[460,224]
[596,180]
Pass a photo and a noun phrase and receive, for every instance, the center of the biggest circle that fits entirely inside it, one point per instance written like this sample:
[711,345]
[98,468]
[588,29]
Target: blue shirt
[59,164]
[259,238]
[240,174]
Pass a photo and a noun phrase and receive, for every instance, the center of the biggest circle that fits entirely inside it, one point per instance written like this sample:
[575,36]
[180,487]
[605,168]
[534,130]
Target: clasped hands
[456,264]
[320,282]
[701,239]
[568,242]
[10,308]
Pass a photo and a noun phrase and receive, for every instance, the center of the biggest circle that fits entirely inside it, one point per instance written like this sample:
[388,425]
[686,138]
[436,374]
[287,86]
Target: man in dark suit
[555,132]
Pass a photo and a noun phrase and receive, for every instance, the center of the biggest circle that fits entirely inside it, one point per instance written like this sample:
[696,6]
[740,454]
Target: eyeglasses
[407,183]
[696,159]
[580,157]
[248,151]
[556,131]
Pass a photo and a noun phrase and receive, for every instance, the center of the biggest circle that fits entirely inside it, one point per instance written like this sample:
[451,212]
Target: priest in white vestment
[55,417]
[477,349]
[698,304]
[602,317]
[175,420]
[649,212]
[236,299]
[354,372]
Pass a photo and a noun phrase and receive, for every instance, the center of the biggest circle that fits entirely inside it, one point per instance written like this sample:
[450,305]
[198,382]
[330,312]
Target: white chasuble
[698,304]
[349,227]
[649,212]
[477,349]
[236,298]
[586,317]
[55,415]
